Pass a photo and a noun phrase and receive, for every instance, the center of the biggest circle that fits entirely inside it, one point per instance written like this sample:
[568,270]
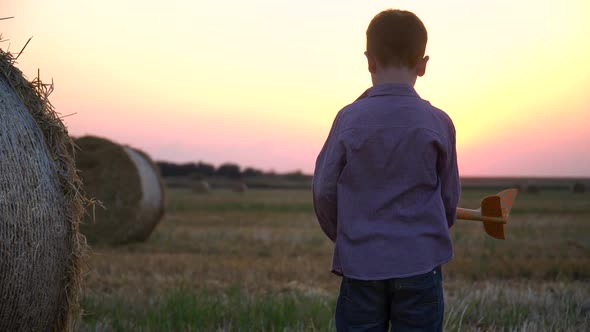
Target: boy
[386,187]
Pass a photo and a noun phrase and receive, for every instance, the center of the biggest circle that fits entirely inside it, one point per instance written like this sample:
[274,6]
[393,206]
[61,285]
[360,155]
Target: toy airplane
[494,212]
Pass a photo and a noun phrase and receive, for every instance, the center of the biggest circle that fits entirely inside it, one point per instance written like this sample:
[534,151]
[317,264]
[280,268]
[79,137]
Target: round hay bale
[201,187]
[578,188]
[240,187]
[129,186]
[40,209]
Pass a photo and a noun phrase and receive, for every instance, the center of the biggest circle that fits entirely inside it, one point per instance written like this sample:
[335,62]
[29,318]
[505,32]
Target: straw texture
[41,205]
[127,183]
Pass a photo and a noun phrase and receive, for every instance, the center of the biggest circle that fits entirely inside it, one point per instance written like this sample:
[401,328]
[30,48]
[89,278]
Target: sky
[259,82]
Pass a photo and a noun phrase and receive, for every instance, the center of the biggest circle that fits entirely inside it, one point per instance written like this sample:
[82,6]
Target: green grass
[203,310]
[545,202]
[489,306]
[290,201]
[277,201]
[525,306]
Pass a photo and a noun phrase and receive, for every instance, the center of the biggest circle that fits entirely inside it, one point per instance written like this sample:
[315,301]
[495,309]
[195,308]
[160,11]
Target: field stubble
[259,261]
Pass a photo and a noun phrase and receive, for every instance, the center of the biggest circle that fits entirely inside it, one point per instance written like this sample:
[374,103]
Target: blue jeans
[403,304]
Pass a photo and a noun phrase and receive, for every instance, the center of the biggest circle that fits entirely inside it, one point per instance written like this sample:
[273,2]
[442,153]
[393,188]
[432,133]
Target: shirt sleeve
[329,165]
[450,183]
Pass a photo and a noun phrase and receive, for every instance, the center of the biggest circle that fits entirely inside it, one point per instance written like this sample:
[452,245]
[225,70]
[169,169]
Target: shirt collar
[392,89]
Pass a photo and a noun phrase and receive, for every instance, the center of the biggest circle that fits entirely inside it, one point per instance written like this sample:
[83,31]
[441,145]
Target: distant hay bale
[578,188]
[40,209]
[129,186]
[240,187]
[201,187]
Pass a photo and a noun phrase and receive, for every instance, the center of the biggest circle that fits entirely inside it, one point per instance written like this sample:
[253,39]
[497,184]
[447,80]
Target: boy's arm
[329,165]
[450,183]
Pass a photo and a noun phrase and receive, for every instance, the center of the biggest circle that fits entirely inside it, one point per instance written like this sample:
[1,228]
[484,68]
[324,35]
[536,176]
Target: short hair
[397,38]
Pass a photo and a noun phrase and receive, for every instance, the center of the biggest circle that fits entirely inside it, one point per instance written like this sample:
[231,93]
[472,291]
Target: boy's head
[396,38]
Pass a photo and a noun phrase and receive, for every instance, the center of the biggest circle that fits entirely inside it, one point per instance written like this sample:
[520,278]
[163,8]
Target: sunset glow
[259,82]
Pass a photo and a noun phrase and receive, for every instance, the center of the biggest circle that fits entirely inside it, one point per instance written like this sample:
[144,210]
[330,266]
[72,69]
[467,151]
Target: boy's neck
[401,75]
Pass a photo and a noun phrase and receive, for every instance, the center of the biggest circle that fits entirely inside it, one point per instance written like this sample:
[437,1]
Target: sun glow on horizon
[259,83]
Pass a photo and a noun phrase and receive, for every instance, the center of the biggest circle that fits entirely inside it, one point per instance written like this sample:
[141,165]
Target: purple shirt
[386,185]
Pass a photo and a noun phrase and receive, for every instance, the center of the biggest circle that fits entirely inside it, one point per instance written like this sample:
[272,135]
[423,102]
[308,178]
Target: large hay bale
[40,209]
[129,186]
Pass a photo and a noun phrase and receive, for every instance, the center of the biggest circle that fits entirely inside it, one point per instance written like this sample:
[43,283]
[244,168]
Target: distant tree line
[228,170]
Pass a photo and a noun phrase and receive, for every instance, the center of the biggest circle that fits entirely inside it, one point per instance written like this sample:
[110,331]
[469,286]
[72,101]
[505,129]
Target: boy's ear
[371,62]
[421,66]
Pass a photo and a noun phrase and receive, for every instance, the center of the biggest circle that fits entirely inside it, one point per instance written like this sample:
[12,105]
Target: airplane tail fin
[507,197]
[491,206]
[498,205]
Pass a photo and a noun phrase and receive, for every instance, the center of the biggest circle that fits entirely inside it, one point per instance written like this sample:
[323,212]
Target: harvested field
[260,262]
